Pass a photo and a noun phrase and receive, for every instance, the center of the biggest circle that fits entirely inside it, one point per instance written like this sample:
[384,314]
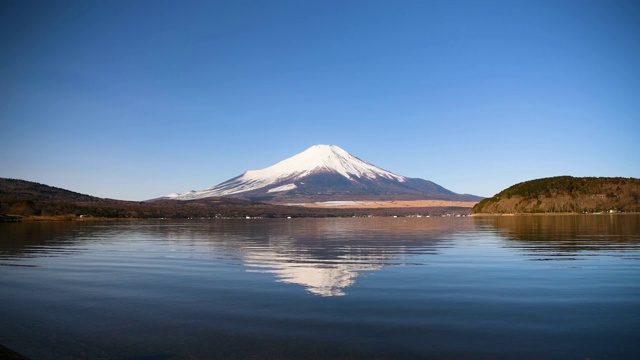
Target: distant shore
[551,213]
[388,204]
[68,217]
[345,208]
[107,219]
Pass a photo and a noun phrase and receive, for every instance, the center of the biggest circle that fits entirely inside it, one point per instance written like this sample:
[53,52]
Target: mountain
[565,194]
[325,173]
[21,199]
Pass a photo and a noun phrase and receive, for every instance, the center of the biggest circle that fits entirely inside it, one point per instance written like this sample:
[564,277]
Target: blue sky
[139,99]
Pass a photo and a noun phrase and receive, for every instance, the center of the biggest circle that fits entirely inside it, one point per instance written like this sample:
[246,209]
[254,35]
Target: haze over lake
[524,287]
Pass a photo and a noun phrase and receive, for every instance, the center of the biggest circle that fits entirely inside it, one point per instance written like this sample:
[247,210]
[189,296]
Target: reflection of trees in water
[323,255]
[566,235]
[31,239]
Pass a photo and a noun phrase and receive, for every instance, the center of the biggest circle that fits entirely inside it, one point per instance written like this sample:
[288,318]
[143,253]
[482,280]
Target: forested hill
[34,191]
[20,198]
[565,194]
[28,199]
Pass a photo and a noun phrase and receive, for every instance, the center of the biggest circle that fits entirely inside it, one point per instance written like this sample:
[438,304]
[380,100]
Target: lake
[520,287]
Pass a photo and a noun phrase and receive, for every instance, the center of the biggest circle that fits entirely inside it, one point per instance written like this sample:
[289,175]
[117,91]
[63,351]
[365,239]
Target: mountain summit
[324,173]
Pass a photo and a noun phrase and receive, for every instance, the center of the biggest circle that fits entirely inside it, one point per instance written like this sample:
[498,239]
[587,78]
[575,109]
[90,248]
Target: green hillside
[565,194]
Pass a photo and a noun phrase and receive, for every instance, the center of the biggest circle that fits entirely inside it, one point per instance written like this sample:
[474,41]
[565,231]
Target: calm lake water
[539,287]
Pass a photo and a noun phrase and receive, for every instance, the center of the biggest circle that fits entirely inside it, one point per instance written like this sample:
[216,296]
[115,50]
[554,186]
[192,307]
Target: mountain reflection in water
[327,256]
[378,288]
[323,255]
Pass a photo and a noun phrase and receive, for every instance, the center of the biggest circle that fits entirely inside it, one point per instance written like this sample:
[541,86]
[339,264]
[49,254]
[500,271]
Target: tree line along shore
[24,200]
[565,194]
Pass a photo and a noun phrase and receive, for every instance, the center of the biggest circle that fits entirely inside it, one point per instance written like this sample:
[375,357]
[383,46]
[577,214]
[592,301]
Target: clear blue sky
[139,99]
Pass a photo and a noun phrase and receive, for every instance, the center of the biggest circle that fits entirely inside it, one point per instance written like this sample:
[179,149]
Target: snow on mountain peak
[319,158]
[316,159]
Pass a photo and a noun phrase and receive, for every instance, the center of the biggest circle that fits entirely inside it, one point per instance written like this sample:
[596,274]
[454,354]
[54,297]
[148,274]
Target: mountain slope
[324,173]
[15,188]
[565,194]
[30,200]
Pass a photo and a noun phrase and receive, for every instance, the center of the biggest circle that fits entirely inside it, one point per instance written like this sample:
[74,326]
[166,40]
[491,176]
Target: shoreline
[552,214]
[74,218]
[385,204]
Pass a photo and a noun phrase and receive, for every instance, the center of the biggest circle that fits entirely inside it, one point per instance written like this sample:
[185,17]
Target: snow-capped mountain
[324,173]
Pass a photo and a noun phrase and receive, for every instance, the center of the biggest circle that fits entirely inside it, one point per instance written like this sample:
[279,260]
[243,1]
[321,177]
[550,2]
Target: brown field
[388,204]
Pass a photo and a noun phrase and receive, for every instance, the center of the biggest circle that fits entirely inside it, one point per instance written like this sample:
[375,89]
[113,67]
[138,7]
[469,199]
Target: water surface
[552,287]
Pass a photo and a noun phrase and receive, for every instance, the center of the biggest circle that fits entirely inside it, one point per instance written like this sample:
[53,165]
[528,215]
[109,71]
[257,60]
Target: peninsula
[565,194]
